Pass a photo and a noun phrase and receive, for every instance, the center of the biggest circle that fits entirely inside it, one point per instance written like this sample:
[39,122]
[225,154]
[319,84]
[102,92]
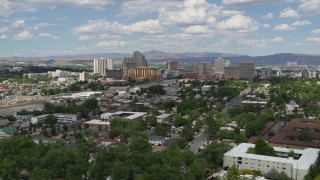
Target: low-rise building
[61,117]
[96,124]
[295,167]
[125,115]
[163,117]
[292,107]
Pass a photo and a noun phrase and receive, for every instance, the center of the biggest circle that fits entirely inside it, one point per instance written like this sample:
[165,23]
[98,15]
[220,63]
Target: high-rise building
[203,70]
[138,60]
[100,65]
[114,73]
[246,70]
[231,72]
[172,65]
[219,65]
[141,73]
[83,76]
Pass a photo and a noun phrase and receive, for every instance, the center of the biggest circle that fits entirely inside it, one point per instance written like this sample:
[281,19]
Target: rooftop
[293,129]
[98,121]
[163,116]
[124,114]
[307,158]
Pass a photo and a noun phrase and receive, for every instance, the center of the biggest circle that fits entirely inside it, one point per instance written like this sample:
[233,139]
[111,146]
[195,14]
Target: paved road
[237,100]
[197,142]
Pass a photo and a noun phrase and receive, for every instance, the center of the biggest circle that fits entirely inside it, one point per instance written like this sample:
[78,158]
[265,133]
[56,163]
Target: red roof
[292,129]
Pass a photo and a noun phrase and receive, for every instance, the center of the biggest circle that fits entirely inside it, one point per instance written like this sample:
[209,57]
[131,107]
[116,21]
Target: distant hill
[160,57]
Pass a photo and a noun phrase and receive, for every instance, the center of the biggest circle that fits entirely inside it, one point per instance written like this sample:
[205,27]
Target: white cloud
[95,28]
[251,2]
[136,7]
[45,35]
[301,23]
[239,23]
[112,44]
[190,12]
[9,7]
[259,43]
[289,13]
[276,40]
[18,23]
[149,27]
[268,16]
[3,37]
[266,26]
[315,36]
[24,35]
[198,29]
[43,25]
[4,29]
[310,6]
[283,27]
[230,12]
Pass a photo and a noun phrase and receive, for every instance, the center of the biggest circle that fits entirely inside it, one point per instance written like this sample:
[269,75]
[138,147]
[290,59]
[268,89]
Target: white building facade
[296,168]
[100,65]
[219,65]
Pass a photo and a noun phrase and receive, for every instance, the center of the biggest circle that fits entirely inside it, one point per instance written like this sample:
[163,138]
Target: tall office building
[246,70]
[219,65]
[231,72]
[100,65]
[172,65]
[203,69]
[138,60]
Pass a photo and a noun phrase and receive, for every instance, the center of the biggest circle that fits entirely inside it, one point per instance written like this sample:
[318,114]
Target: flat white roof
[308,155]
[97,121]
[162,116]
[133,115]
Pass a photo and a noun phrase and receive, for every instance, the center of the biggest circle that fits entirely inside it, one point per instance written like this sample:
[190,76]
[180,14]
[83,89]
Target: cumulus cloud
[108,44]
[283,27]
[198,29]
[4,29]
[133,8]
[250,2]
[24,35]
[239,23]
[268,16]
[3,37]
[9,7]
[301,23]
[315,36]
[190,12]
[289,13]
[18,23]
[266,26]
[102,26]
[310,7]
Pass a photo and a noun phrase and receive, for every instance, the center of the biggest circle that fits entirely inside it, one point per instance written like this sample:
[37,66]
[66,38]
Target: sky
[244,27]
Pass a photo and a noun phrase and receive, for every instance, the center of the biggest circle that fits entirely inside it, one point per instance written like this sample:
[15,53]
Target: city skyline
[66,27]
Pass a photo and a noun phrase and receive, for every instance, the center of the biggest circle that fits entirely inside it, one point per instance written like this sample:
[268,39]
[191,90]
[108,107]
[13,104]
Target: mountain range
[187,58]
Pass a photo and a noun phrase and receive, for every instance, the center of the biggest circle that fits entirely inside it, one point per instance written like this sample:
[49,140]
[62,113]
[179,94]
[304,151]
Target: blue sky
[251,27]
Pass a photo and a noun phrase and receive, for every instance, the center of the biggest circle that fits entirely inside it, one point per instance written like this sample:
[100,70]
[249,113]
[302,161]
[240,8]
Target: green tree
[305,135]
[233,173]
[272,174]
[263,148]
[283,176]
